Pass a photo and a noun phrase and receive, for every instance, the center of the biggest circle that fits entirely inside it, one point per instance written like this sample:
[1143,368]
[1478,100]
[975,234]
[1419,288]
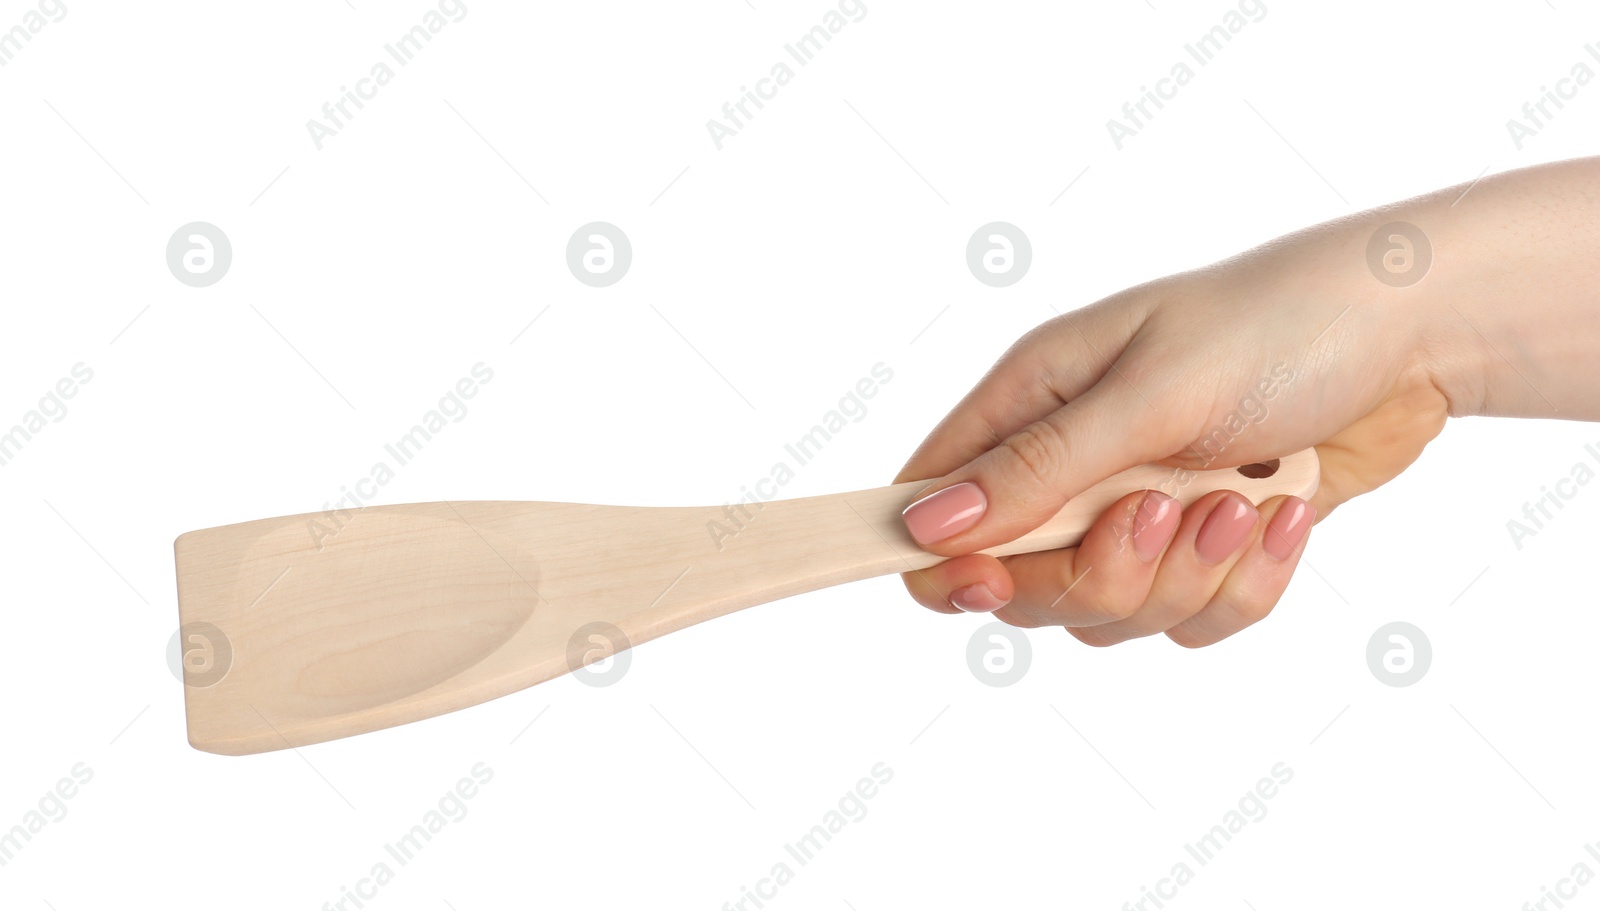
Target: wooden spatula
[307,628]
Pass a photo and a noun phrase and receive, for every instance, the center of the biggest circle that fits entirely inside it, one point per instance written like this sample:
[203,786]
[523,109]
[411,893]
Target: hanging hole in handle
[1259,469]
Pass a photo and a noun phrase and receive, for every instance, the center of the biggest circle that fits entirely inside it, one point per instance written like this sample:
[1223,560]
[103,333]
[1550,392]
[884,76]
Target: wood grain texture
[307,628]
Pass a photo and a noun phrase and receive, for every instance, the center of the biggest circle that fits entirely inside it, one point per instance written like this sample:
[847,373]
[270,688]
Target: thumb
[1020,483]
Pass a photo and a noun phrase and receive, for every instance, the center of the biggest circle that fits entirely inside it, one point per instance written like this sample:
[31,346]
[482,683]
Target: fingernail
[949,512]
[1288,528]
[1225,529]
[976,598]
[1154,524]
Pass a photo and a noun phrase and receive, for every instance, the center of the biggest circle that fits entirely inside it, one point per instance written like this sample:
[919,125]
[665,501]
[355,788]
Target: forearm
[1512,296]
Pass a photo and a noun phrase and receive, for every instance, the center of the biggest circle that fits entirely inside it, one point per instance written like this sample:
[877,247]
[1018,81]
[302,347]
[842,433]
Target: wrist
[1505,318]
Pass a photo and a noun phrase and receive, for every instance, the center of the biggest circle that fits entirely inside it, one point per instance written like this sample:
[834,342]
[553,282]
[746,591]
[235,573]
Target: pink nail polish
[948,512]
[1225,529]
[1288,528]
[1154,524]
[976,598]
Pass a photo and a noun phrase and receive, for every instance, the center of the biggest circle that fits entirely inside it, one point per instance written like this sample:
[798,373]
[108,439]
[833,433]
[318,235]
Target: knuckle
[1020,617]
[922,592]
[1246,607]
[1037,451]
[1254,610]
[1092,636]
[1116,610]
[1186,635]
[1091,598]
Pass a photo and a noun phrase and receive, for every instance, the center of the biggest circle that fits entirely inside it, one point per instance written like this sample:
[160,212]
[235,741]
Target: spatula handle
[1294,475]
[874,541]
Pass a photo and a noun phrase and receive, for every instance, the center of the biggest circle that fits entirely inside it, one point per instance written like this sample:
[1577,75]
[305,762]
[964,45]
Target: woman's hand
[1298,343]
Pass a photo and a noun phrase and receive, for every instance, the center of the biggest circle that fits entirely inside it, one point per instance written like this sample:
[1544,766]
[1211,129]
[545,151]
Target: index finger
[1049,366]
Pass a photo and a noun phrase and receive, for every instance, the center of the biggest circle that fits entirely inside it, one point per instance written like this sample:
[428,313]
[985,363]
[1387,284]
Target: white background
[767,279]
